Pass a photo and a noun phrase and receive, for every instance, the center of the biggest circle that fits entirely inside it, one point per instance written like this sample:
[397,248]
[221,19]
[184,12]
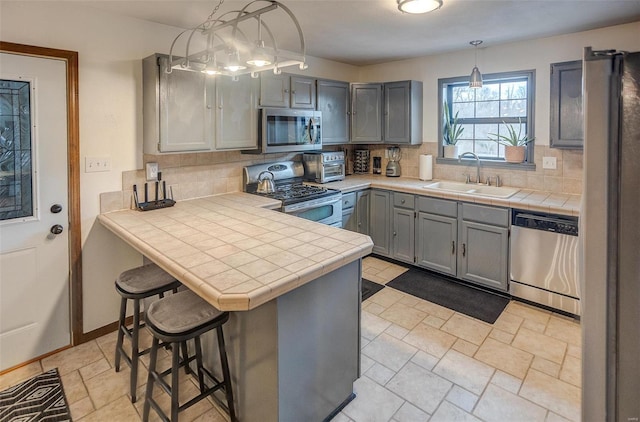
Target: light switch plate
[549,163]
[152,171]
[97,164]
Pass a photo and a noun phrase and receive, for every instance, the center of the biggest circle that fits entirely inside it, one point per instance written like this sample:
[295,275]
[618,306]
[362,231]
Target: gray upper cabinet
[333,102]
[274,89]
[389,113]
[303,92]
[366,113]
[236,113]
[403,112]
[177,108]
[288,91]
[566,114]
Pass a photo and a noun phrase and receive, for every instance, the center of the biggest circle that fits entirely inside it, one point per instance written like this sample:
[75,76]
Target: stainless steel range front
[306,201]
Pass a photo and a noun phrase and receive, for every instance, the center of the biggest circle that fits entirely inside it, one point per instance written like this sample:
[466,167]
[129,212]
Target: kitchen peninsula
[294,342]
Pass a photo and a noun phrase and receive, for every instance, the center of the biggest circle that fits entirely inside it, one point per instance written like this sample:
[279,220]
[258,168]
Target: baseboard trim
[106,329]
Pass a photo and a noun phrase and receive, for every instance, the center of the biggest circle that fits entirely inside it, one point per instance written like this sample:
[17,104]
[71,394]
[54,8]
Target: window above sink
[505,100]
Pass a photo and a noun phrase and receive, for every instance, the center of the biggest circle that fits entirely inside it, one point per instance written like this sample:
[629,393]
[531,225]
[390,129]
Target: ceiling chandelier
[419,6]
[475,80]
[233,43]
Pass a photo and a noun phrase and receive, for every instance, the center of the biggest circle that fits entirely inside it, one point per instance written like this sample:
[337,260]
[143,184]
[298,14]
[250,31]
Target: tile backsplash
[565,178]
[193,175]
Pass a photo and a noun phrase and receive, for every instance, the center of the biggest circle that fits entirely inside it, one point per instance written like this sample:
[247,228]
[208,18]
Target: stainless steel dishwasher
[544,260]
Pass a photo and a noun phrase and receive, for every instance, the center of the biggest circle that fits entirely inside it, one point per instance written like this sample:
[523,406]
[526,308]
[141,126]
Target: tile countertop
[233,251]
[534,200]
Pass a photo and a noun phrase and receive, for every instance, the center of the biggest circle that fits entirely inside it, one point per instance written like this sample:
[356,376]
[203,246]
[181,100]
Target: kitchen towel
[426,167]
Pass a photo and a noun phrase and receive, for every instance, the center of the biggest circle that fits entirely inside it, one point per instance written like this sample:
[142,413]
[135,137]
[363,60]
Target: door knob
[56,208]
[56,229]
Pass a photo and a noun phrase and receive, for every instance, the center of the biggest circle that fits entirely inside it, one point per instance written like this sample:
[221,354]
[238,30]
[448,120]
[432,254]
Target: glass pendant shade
[233,65]
[259,57]
[418,6]
[475,81]
[211,68]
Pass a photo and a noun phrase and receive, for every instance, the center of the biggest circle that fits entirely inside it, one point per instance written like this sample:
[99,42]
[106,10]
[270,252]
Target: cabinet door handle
[464,249]
[395,234]
[453,247]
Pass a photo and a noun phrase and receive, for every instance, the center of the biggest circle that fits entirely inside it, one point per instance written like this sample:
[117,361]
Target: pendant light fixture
[227,46]
[259,56]
[475,80]
[418,6]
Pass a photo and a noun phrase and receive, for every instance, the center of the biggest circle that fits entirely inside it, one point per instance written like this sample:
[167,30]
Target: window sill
[487,163]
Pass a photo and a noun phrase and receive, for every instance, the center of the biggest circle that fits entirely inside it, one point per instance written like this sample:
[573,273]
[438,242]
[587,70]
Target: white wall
[110,50]
[536,54]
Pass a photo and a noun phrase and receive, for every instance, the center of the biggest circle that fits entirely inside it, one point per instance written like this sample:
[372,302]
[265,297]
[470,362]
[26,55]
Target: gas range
[306,201]
[291,193]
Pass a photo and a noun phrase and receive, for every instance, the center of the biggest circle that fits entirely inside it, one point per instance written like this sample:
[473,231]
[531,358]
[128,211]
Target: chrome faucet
[468,153]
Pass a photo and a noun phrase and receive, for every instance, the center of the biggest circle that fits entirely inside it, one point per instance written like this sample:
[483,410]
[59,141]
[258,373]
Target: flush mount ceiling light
[229,34]
[475,80]
[418,6]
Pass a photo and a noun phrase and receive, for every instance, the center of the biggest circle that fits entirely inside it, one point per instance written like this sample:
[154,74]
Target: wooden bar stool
[137,284]
[175,320]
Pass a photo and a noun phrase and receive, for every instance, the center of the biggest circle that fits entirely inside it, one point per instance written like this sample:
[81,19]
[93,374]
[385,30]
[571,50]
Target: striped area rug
[40,398]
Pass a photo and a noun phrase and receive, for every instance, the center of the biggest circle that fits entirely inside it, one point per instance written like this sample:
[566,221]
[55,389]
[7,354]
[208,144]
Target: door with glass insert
[34,245]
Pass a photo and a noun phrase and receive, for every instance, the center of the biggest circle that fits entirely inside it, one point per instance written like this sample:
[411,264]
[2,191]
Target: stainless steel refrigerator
[610,221]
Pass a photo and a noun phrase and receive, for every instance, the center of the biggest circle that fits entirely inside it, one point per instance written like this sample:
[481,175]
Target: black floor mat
[369,288]
[446,292]
[40,398]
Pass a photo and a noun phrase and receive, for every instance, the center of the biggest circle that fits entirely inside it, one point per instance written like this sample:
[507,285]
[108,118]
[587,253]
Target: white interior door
[34,219]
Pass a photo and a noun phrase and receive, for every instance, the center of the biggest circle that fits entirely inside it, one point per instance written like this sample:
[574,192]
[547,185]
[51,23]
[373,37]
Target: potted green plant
[451,133]
[515,143]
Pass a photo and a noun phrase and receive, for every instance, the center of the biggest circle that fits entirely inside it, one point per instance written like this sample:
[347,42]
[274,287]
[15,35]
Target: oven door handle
[314,205]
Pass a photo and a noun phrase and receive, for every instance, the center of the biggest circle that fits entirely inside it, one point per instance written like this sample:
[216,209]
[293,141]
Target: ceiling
[363,32]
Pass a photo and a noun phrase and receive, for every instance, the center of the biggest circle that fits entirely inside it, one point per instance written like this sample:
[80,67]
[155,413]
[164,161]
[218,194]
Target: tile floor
[420,362]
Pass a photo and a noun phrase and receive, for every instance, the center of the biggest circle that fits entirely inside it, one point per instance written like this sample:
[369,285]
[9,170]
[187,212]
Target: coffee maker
[393,167]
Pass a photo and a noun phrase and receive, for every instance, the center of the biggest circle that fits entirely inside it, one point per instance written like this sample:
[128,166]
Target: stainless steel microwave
[289,130]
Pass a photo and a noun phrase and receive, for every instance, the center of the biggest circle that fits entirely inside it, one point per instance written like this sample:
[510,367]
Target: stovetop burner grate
[290,193]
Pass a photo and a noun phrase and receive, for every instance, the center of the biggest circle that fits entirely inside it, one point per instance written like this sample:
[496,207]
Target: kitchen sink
[473,189]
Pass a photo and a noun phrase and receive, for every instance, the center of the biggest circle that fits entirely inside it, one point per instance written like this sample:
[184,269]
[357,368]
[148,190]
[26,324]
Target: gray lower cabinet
[484,245]
[467,241]
[403,227]
[380,221]
[463,240]
[437,235]
[355,211]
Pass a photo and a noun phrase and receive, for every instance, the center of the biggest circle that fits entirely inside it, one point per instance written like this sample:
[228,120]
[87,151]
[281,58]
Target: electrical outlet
[549,163]
[152,171]
[97,164]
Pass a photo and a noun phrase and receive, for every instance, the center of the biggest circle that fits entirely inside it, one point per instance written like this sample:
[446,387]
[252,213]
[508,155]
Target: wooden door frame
[73,175]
